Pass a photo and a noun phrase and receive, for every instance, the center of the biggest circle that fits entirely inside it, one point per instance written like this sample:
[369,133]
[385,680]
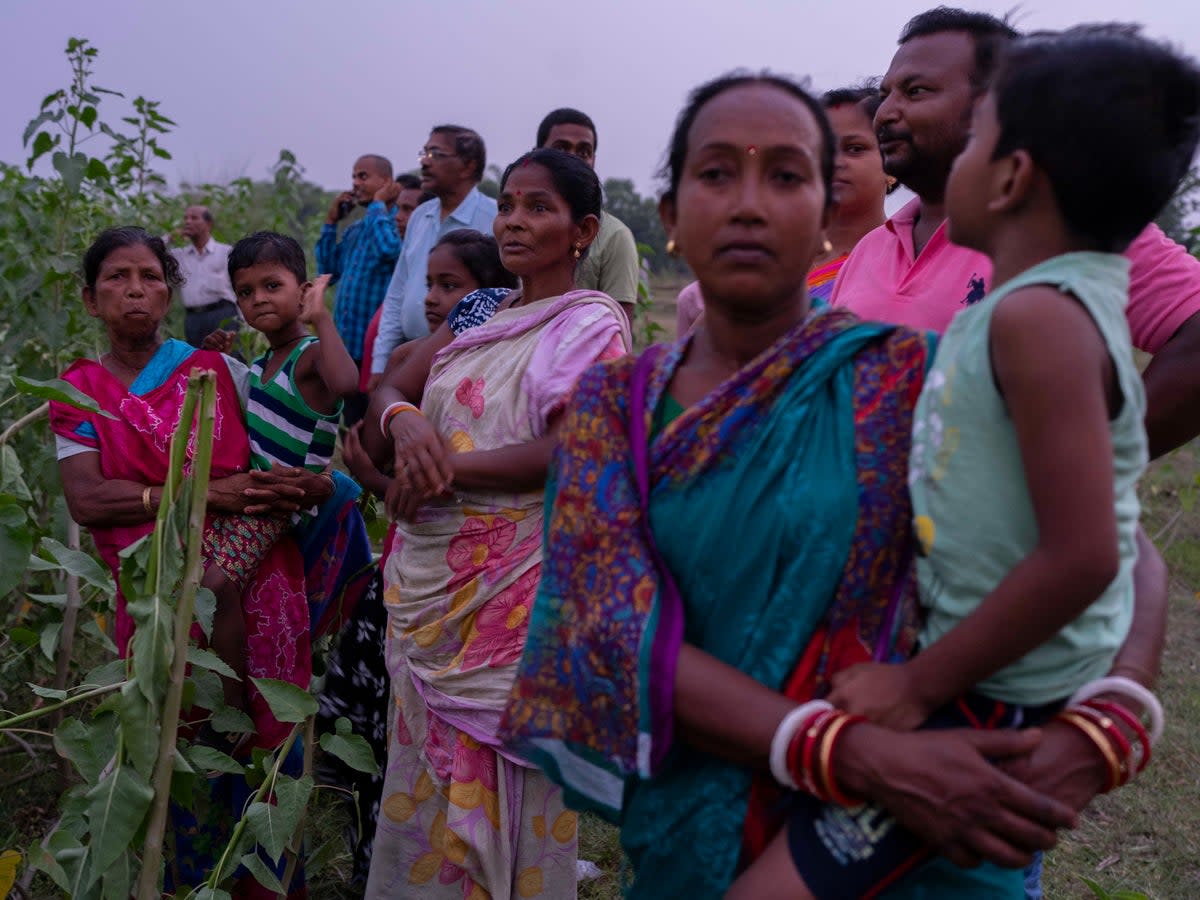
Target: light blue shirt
[403,316]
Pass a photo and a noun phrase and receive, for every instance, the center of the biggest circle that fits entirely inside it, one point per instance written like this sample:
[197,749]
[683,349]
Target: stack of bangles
[802,751]
[803,748]
[1101,721]
[393,410]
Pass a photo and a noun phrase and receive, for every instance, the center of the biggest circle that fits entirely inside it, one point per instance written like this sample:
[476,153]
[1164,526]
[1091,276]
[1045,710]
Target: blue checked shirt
[403,316]
[361,265]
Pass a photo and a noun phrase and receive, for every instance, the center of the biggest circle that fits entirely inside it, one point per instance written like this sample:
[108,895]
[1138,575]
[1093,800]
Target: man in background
[452,164]
[611,265]
[206,292]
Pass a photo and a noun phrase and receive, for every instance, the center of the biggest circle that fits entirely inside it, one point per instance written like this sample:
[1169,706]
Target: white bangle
[784,733]
[391,409]
[1130,689]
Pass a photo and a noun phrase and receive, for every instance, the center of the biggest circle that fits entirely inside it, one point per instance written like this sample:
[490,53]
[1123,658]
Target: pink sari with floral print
[461,817]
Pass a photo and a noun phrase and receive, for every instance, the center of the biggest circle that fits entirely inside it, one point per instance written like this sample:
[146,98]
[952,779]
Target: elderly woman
[113,468]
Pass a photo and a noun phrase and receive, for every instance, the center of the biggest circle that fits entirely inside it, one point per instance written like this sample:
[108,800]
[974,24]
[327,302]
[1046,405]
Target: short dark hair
[672,169]
[574,180]
[111,239]
[864,94]
[566,116]
[383,165]
[480,254]
[268,247]
[408,181]
[1111,117]
[989,34]
[468,146]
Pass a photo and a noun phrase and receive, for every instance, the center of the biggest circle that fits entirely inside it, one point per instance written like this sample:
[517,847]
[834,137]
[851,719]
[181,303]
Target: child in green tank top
[1028,440]
[295,398]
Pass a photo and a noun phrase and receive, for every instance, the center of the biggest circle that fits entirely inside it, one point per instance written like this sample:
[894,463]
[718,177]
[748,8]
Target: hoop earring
[672,249]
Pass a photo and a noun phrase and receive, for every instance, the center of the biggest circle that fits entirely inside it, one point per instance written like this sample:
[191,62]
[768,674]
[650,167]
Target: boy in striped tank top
[292,411]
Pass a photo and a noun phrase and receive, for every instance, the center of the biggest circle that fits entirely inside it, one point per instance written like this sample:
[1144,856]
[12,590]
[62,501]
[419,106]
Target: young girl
[292,413]
[1033,413]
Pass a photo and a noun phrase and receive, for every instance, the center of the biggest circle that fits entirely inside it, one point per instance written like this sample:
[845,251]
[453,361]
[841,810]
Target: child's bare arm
[1054,372]
[336,371]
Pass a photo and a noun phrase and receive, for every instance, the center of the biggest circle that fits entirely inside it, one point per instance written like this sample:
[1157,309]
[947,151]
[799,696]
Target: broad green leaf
[92,629]
[89,748]
[71,168]
[78,563]
[12,481]
[206,690]
[26,637]
[272,824]
[139,727]
[49,639]
[42,860]
[288,702]
[206,659]
[206,608]
[60,391]
[10,863]
[116,808]
[228,719]
[207,893]
[48,693]
[56,600]
[352,749]
[262,873]
[117,881]
[153,646]
[112,672]
[16,545]
[209,759]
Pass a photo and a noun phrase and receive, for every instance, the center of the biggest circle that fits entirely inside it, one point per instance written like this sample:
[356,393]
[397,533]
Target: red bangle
[1114,733]
[1117,711]
[800,753]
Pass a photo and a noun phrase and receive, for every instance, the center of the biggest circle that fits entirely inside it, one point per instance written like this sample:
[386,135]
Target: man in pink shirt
[907,271]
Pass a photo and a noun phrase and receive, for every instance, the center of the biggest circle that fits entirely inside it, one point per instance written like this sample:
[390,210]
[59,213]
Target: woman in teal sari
[728,526]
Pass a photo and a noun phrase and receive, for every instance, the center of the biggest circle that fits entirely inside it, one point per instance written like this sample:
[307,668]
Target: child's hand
[221,341]
[353,454]
[312,304]
[886,694]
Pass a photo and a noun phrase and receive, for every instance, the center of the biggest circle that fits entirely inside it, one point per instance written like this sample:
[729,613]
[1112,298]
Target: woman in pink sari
[461,817]
[113,468]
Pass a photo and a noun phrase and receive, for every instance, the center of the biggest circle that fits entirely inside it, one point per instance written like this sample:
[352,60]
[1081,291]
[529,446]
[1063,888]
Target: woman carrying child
[659,649]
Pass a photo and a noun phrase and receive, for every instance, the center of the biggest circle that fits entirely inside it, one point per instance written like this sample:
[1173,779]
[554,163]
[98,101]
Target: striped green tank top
[283,427]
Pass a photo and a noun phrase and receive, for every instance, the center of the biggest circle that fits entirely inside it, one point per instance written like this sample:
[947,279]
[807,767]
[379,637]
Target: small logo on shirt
[975,290]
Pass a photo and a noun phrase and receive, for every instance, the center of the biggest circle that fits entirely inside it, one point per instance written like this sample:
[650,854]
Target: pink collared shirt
[884,280]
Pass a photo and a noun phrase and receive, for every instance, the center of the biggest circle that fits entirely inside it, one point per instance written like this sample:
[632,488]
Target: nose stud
[751,150]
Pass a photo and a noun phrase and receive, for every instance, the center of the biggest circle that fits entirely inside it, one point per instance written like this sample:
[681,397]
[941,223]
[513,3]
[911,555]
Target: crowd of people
[734,593]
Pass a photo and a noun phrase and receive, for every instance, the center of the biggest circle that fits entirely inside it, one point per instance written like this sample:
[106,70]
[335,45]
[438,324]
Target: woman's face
[749,212]
[533,225]
[449,281]
[859,182]
[131,294]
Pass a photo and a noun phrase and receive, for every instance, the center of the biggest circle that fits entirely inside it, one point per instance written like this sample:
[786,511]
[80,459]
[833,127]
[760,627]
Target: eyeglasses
[433,153]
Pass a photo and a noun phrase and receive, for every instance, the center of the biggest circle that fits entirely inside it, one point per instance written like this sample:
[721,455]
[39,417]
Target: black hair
[480,254]
[408,181]
[268,247]
[566,116]
[111,239]
[205,212]
[383,165]
[574,180]
[1111,117]
[864,94]
[672,169]
[468,146]
[989,34]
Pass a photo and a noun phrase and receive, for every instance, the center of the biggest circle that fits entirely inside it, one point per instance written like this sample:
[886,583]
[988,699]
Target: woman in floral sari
[461,817]
[113,468]
[728,527]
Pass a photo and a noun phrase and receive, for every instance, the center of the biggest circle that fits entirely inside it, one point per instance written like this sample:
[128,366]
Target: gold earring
[671,248]
[891,181]
[827,247]
[577,251]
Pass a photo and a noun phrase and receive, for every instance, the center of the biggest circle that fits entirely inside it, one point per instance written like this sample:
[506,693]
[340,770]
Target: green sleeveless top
[283,427]
[974,517]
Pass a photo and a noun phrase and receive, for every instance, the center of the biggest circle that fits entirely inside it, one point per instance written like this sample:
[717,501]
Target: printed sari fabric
[779,507]
[461,817]
[133,446]
[821,279]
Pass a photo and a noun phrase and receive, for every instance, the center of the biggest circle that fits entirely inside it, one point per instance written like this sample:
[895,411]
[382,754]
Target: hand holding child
[312,304]
[888,695]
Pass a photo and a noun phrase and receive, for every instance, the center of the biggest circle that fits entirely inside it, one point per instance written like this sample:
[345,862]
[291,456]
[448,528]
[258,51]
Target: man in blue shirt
[452,164]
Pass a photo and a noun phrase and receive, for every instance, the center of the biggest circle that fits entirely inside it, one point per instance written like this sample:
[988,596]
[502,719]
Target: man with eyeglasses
[452,164]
